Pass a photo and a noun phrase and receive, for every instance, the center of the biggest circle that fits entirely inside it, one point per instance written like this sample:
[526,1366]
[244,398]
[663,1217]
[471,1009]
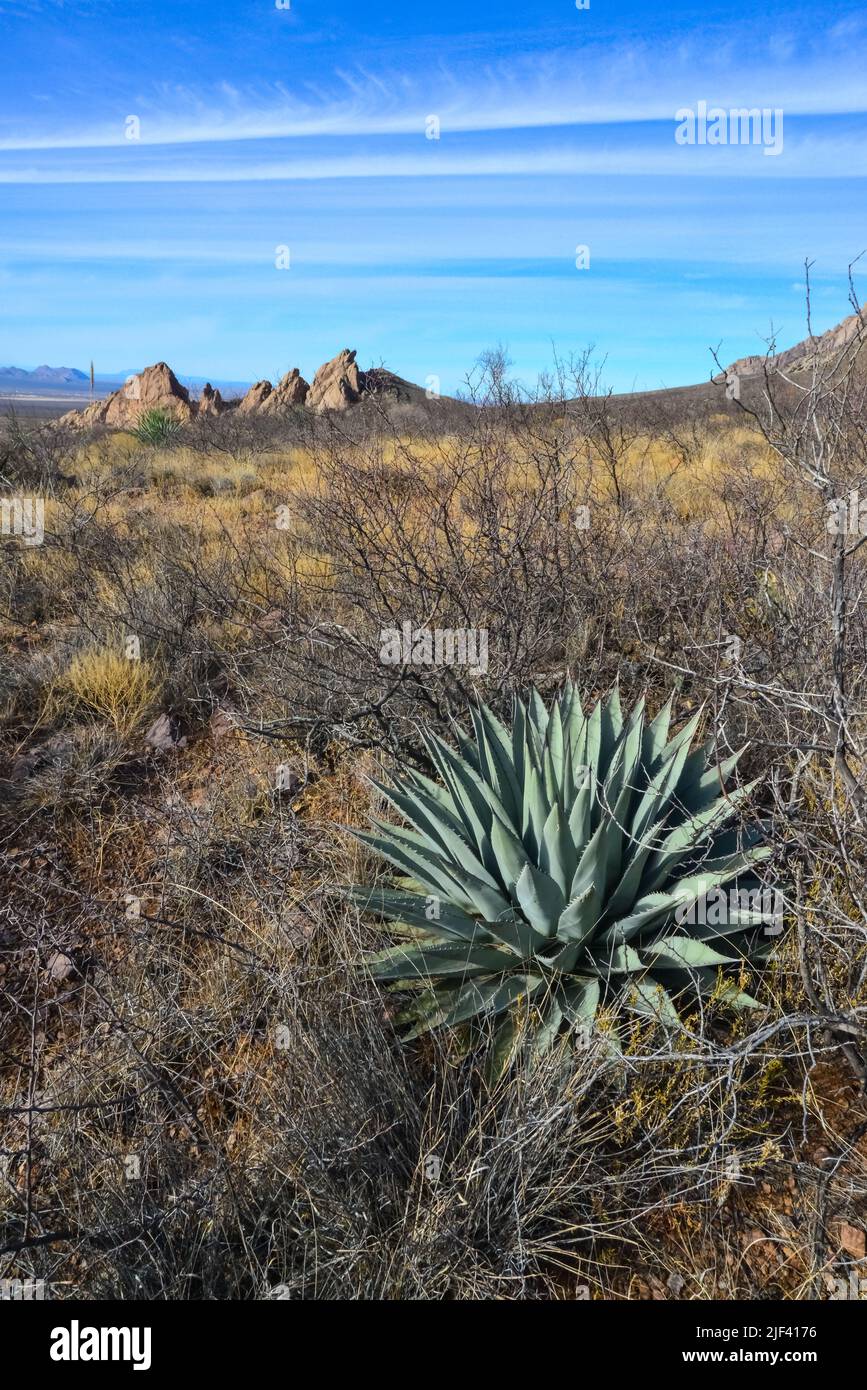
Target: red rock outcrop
[156,388]
[337,385]
[255,397]
[291,391]
[210,401]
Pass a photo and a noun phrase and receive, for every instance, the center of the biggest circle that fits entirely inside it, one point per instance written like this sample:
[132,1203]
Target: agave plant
[558,865]
[156,427]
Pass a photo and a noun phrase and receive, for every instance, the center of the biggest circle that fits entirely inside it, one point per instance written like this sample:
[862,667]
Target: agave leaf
[471,752]
[436,832]
[422,868]
[647,910]
[617,960]
[519,744]
[579,999]
[578,918]
[736,923]
[724,848]
[545,1034]
[622,772]
[538,715]
[601,858]
[635,855]
[593,742]
[409,961]
[563,962]
[694,768]
[540,899]
[490,903]
[510,853]
[557,856]
[451,880]
[710,983]
[612,726]
[556,746]
[685,735]
[512,929]
[685,951]
[574,726]
[692,886]
[471,795]
[500,745]
[695,796]
[428,794]
[655,737]
[736,998]
[414,842]
[439,793]
[536,805]
[485,998]
[427,1007]
[413,908]
[507,1039]
[663,783]
[651,1000]
[581,813]
[691,833]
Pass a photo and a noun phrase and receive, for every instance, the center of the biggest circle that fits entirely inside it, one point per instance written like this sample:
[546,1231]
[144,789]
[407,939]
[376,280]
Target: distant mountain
[60,376]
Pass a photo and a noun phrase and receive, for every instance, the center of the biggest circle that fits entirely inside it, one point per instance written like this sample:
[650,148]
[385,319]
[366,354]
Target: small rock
[220,725]
[163,734]
[59,967]
[852,1240]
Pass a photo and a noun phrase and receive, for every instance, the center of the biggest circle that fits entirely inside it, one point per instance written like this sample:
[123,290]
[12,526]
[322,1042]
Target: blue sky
[261,127]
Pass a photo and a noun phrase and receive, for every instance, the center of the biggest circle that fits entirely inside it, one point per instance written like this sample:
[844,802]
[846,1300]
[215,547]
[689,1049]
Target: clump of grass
[120,692]
[157,427]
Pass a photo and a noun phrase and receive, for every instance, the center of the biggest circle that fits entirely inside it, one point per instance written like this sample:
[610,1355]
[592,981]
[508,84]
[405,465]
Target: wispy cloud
[648,151]
[632,82]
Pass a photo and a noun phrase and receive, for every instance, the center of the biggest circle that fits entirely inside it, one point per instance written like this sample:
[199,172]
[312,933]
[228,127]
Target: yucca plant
[156,427]
[551,868]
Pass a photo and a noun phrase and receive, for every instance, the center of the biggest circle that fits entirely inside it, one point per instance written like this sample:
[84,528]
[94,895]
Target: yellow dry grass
[118,691]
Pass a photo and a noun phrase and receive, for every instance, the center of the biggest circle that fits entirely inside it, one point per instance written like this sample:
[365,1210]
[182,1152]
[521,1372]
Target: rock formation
[156,388]
[290,391]
[337,385]
[804,354]
[210,401]
[255,397]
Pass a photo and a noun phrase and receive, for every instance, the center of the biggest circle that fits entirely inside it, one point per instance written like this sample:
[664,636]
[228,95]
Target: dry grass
[118,690]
